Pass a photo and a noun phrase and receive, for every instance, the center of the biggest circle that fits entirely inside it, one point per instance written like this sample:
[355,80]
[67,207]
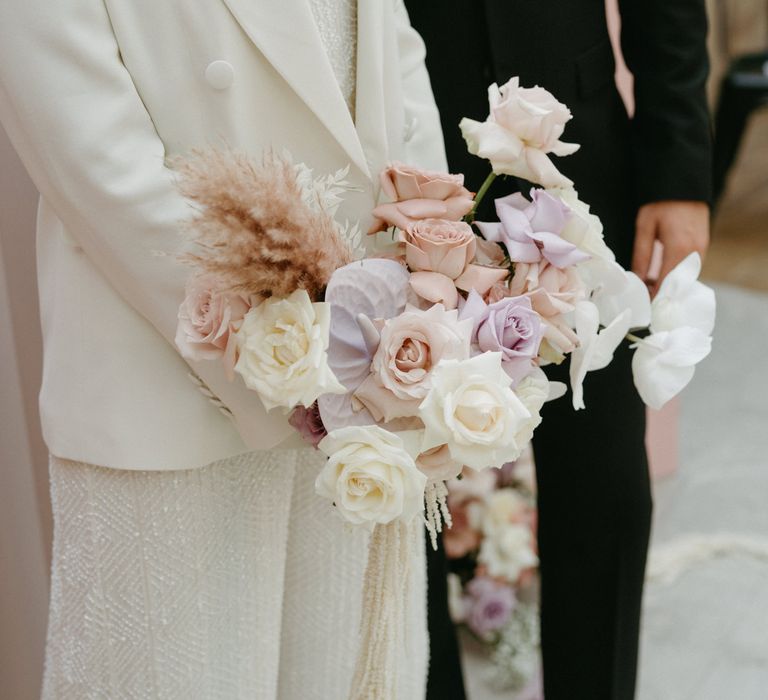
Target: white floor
[705,630]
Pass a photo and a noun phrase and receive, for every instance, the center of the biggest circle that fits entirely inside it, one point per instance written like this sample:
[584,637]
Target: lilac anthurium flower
[531,230]
[509,326]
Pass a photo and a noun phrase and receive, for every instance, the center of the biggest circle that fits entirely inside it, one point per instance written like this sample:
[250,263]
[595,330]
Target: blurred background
[705,632]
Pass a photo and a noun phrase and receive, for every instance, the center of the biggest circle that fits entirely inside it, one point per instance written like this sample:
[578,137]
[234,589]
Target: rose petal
[480,278]
[436,288]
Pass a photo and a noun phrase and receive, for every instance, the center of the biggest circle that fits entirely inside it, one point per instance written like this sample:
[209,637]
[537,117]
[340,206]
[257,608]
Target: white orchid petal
[663,363]
[609,339]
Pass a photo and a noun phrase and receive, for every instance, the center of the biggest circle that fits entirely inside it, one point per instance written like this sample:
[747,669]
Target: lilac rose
[489,605]
[509,326]
[531,230]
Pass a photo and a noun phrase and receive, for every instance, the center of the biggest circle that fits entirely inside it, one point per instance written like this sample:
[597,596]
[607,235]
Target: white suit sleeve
[426,147]
[79,125]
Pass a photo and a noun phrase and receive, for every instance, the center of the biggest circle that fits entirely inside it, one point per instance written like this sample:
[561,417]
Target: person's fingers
[645,235]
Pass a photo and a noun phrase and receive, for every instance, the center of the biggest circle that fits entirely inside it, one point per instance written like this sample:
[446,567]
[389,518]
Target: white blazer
[96,95]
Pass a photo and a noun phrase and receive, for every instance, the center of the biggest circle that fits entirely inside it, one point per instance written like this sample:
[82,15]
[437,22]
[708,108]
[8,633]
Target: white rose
[283,345]
[684,301]
[471,408]
[508,551]
[503,507]
[370,477]
[664,362]
[524,125]
[582,228]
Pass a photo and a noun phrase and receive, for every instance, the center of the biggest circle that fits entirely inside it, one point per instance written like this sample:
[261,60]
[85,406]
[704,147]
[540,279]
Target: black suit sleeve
[664,44]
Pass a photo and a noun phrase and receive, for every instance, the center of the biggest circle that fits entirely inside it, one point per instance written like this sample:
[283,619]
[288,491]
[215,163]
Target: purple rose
[509,326]
[531,230]
[308,423]
[489,605]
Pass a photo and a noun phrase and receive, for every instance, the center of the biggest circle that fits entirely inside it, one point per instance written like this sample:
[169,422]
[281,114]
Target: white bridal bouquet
[408,365]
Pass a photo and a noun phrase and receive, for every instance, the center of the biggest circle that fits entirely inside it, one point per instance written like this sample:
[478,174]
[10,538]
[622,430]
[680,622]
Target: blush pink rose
[436,464]
[553,292]
[410,345]
[208,319]
[524,125]
[464,535]
[420,194]
[438,245]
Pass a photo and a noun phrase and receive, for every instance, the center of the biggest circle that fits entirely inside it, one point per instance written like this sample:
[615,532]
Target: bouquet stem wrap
[385,606]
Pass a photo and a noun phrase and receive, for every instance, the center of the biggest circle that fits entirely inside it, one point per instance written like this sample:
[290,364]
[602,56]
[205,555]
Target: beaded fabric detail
[228,582]
[337,23]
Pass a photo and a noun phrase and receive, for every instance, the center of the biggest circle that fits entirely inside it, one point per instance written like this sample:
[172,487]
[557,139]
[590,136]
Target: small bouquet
[407,364]
[493,562]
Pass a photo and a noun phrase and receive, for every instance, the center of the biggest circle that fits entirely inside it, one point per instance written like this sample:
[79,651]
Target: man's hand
[681,227]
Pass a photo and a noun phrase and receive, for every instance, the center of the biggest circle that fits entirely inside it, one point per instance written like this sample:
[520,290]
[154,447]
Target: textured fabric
[87,102]
[337,23]
[230,581]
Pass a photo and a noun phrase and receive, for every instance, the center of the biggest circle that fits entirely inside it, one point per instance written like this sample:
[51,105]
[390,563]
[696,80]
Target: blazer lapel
[374,106]
[285,32]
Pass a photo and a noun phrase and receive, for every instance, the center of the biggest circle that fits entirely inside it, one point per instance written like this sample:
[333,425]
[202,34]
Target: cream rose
[437,245]
[421,194]
[283,346]
[410,345]
[503,507]
[471,408]
[524,125]
[508,551]
[370,477]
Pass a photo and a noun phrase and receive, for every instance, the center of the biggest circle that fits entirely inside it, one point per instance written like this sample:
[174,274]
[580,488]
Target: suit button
[220,75]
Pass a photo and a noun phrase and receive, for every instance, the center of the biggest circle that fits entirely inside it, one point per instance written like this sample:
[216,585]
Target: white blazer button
[220,75]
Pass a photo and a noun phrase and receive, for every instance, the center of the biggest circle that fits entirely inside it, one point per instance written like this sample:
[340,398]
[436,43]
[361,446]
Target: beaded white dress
[225,582]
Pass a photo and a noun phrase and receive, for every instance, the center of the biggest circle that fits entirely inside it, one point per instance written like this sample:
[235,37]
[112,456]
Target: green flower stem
[633,338]
[479,196]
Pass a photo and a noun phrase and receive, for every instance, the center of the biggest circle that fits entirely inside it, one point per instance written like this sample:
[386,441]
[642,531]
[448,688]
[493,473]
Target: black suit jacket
[563,45]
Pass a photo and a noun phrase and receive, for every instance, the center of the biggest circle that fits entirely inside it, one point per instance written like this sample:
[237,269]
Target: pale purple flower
[531,230]
[489,605]
[308,423]
[509,326]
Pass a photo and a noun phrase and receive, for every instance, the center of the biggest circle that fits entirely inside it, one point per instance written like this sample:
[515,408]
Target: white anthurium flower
[370,476]
[684,301]
[615,289]
[472,409]
[596,347]
[663,363]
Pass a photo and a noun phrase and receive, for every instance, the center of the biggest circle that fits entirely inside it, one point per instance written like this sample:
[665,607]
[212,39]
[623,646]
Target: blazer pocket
[595,68]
